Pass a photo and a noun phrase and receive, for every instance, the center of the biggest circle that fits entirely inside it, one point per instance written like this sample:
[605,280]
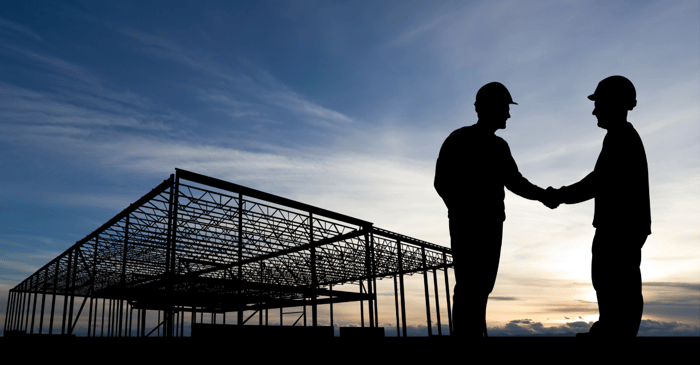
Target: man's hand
[550,198]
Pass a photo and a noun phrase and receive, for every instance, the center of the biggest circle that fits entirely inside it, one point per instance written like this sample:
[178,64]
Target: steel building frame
[203,245]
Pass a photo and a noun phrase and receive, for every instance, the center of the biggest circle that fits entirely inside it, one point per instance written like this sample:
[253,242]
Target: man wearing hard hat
[472,170]
[619,184]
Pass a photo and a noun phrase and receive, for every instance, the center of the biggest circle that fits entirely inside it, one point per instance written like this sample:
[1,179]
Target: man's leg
[617,280]
[476,249]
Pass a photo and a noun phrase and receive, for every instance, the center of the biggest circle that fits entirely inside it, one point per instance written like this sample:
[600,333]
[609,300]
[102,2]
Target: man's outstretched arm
[578,192]
[519,185]
[522,187]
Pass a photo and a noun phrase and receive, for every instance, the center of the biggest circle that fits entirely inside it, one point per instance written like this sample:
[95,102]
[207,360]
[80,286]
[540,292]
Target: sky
[344,105]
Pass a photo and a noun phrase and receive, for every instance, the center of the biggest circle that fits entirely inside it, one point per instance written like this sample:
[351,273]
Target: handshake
[551,198]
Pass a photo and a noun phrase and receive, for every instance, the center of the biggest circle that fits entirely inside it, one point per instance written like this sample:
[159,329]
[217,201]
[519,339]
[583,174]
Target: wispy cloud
[40,112]
[432,23]
[252,81]
[10,27]
[19,267]
[160,45]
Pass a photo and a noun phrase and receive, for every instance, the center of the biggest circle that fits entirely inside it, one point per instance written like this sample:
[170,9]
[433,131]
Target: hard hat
[493,93]
[617,89]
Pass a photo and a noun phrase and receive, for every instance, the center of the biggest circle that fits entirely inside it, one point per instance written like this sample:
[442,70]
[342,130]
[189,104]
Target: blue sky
[344,105]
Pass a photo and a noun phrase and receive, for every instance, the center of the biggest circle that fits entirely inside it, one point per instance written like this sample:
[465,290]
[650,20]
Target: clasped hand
[550,198]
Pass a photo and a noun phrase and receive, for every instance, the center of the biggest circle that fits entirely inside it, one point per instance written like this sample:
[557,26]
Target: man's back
[471,172]
[622,182]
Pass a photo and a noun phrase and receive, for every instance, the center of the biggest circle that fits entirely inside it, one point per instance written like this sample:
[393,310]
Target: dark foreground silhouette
[619,184]
[473,168]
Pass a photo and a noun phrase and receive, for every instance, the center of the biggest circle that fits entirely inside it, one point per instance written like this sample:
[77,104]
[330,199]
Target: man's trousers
[476,251]
[617,279]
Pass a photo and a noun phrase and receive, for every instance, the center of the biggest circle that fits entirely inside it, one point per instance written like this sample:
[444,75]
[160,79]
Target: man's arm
[524,188]
[578,192]
[519,185]
[442,182]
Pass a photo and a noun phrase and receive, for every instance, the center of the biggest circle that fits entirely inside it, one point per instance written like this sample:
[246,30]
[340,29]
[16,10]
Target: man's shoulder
[632,131]
[500,140]
[625,135]
[472,131]
[473,137]
[462,132]
[459,136]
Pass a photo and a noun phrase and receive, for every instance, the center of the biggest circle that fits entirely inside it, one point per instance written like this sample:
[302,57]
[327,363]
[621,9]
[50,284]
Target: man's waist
[639,226]
[477,214]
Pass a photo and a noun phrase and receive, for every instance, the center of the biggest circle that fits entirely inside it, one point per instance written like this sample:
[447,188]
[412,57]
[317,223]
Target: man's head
[493,105]
[613,98]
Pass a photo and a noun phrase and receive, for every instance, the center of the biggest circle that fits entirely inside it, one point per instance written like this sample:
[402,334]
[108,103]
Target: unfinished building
[197,246]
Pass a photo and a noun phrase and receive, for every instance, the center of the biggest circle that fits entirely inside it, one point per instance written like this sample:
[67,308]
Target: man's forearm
[578,192]
[523,188]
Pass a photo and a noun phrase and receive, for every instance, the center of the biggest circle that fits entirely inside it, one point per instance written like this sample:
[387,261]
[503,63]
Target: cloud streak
[254,83]
[15,29]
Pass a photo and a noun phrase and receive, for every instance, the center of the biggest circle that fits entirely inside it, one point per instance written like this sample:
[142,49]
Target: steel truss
[203,245]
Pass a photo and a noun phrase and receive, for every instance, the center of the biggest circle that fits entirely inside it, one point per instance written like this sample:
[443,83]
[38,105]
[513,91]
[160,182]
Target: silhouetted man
[472,169]
[622,218]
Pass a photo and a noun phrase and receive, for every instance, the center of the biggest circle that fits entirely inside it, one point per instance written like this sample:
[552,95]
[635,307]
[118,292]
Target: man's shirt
[619,183]
[472,170]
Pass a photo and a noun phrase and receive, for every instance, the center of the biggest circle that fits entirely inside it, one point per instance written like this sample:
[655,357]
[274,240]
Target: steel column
[110,319]
[143,322]
[36,292]
[437,302]
[447,294]
[21,318]
[102,328]
[73,263]
[330,288]
[92,285]
[20,309]
[241,208]
[129,318]
[65,296]
[362,308]
[370,274]
[427,295]
[123,273]
[43,302]
[402,288]
[314,278]
[13,310]
[396,305]
[53,299]
[170,256]
[374,280]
